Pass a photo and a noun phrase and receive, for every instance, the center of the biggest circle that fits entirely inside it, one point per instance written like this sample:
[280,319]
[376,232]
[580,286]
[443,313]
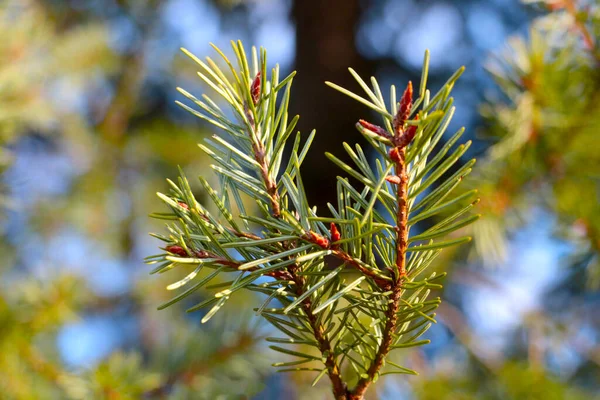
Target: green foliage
[341,295]
[120,376]
[47,55]
[546,131]
[35,50]
[513,382]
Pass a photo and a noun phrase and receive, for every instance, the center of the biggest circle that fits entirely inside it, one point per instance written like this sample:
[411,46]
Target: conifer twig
[318,330]
[316,306]
[402,137]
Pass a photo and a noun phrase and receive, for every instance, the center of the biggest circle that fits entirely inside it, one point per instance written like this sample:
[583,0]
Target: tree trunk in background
[325,48]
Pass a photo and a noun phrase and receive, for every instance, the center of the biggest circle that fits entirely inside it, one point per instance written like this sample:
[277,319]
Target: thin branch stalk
[392,310]
[318,330]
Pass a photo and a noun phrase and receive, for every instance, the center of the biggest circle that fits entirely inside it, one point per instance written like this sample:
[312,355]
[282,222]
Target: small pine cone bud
[404,109]
[177,250]
[335,233]
[319,240]
[183,205]
[374,128]
[409,135]
[395,155]
[393,179]
[255,89]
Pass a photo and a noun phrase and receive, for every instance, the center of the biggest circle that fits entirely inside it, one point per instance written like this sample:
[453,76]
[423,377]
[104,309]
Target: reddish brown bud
[409,135]
[177,250]
[183,205]
[335,233]
[406,101]
[255,89]
[319,240]
[393,179]
[374,128]
[395,155]
[404,109]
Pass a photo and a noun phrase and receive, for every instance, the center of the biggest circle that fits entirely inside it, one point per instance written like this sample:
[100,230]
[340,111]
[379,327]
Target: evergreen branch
[260,157]
[402,137]
[382,281]
[325,347]
[294,243]
[318,330]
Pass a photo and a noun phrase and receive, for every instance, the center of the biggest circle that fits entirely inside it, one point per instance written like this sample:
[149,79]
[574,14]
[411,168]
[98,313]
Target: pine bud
[393,179]
[335,233]
[183,205]
[319,240]
[404,109]
[255,89]
[395,155]
[374,128]
[409,135]
[177,250]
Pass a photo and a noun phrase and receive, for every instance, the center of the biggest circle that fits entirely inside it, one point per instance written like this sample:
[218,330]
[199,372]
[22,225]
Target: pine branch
[316,305]
[401,137]
[325,347]
[318,330]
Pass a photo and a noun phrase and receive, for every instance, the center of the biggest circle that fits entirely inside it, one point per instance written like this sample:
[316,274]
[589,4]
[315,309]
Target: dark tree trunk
[325,48]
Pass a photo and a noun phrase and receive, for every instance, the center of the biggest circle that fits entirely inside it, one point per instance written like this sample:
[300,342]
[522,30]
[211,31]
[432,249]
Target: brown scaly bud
[177,250]
[255,89]
[335,233]
[374,128]
[393,179]
[409,135]
[318,239]
[395,155]
[404,109]
[183,205]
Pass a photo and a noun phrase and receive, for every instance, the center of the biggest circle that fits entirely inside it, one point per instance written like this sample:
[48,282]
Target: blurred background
[89,132]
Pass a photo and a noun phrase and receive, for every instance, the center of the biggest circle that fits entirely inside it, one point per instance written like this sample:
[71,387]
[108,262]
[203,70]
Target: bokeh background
[90,131]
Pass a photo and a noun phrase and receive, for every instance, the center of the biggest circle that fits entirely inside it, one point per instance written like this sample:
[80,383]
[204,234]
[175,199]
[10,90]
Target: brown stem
[259,155]
[392,310]
[318,330]
[347,258]
[322,242]
[402,214]
[333,370]
[385,347]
